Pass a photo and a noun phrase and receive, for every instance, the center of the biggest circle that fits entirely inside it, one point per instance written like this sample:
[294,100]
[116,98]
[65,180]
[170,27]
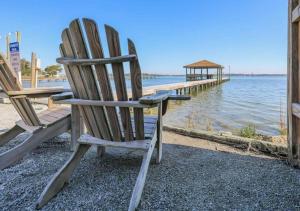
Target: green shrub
[248,131]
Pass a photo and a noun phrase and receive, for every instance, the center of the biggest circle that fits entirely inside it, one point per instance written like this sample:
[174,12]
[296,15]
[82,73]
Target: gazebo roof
[203,64]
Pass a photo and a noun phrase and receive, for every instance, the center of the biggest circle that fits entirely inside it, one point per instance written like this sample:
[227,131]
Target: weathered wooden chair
[108,122]
[42,126]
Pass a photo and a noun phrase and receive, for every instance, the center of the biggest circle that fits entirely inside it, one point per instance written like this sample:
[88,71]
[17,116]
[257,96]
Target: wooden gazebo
[192,75]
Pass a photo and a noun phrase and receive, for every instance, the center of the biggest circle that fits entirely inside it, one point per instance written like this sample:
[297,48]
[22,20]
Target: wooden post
[186,72]
[293,88]
[7,47]
[201,74]
[33,70]
[221,74]
[206,73]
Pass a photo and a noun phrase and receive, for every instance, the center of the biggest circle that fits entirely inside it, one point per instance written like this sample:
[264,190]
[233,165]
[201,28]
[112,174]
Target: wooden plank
[34,79]
[95,61]
[20,110]
[62,96]
[293,88]
[6,85]
[159,133]
[137,91]
[30,111]
[118,73]
[89,79]
[122,104]
[156,98]
[12,77]
[101,72]
[139,144]
[78,87]
[62,177]
[296,109]
[140,181]
[76,126]
[296,14]
[51,90]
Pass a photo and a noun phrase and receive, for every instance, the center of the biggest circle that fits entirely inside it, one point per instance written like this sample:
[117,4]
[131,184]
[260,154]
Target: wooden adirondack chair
[42,126]
[108,122]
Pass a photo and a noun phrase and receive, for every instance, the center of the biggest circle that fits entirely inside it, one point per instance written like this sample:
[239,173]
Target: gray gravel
[194,175]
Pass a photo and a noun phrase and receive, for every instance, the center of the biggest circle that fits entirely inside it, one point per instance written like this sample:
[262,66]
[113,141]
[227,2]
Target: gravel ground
[194,175]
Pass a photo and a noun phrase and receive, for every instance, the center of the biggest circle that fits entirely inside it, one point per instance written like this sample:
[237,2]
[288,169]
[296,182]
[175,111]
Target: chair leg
[159,135]
[18,152]
[10,134]
[140,182]
[62,176]
[76,126]
[100,151]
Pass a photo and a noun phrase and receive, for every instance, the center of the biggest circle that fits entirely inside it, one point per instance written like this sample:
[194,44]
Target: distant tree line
[49,71]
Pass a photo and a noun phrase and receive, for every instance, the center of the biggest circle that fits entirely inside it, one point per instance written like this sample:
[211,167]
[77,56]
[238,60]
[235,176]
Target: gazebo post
[201,74]
[186,77]
[206,73]
[221,74]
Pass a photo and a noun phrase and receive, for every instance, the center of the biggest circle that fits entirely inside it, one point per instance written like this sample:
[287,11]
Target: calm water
[257,100]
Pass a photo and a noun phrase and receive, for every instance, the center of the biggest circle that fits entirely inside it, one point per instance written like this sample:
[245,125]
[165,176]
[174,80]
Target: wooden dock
[183,87]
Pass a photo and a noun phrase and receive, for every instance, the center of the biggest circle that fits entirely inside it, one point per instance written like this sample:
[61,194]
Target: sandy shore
[194,174]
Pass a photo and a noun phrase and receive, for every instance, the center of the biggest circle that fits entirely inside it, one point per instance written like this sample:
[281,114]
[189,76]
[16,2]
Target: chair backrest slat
[25,110]
[137,91]
[8,77]
[119,78]
[10,82]
[89,78]
[93,38]
[92,81]
[75,81]
[80,89]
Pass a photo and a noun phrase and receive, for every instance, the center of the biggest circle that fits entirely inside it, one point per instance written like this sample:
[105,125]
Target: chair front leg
[62,176]
[159,133]
[140,182]
[77,126]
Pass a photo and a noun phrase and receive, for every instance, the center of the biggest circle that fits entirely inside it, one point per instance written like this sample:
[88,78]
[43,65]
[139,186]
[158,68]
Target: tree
[25,67]
[52,70]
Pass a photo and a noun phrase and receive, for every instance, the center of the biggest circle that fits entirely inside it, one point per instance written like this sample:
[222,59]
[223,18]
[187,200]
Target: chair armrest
[62,96]
[161,96]
[38,92]
[127,104]
[155,98]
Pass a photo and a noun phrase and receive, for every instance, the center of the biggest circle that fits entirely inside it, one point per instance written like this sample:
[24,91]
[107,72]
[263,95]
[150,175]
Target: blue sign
[14,47]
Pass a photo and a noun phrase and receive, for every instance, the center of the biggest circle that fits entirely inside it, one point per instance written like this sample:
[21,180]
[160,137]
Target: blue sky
[249,35]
